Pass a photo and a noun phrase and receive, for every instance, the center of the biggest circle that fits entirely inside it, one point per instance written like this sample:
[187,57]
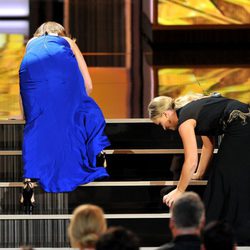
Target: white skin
[169,120]
[81,64]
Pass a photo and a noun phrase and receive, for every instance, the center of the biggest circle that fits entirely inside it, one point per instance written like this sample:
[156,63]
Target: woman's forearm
[206,156]
[186,131]
[82,65]
[187,172]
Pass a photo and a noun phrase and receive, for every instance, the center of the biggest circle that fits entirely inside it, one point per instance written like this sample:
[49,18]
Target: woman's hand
[197,176]
[171,197]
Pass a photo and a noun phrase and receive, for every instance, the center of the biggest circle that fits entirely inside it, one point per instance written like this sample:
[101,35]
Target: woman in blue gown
[64,130]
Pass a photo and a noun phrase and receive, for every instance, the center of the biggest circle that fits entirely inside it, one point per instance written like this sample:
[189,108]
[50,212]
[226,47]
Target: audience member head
[187,215]
[118,238]
[86,226]
[218,236]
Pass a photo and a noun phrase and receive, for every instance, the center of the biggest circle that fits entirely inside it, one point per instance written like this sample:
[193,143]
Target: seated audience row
[88,229]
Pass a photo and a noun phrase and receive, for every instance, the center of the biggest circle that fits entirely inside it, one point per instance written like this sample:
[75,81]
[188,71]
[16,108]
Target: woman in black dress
[227,196]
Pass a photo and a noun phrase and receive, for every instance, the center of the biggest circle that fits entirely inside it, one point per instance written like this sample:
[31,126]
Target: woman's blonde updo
[86,226]
[162,103]
[50,27]
[159,105]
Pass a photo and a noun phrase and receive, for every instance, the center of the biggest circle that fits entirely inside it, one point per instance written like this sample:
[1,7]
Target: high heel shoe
[27,198]
[101,159]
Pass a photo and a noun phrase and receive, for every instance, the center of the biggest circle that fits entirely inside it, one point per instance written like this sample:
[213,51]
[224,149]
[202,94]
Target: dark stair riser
[37,233]
[119,166]
[53,233]
[141,135]
[11,168]
[121,136]
[11,136]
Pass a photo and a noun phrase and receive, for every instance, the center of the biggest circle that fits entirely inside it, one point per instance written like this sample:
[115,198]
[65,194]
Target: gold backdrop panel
[11,53]
[197,12]
[230,82]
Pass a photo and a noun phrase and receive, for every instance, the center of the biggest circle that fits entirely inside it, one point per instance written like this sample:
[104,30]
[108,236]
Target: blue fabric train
[64,128]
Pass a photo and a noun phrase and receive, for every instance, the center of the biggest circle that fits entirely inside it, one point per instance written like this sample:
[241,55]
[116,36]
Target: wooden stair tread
[68,216]
[119,183]
[121,120]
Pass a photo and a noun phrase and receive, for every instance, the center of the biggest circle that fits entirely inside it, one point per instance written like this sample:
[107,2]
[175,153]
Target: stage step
[69,216]
[121,167]
[118,183]
[123,134]
[119,151]
[113,197]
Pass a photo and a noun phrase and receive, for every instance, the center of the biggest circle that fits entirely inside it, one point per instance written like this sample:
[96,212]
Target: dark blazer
[183,242]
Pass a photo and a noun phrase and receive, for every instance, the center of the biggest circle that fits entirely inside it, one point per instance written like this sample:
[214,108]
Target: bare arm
[82,65]
[206,156]
[187,134]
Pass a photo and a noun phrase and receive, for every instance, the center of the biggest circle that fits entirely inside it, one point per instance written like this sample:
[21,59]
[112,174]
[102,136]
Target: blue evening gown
[64,130]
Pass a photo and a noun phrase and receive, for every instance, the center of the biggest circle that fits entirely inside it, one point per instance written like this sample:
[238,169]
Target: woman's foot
[101,159]
[27,198]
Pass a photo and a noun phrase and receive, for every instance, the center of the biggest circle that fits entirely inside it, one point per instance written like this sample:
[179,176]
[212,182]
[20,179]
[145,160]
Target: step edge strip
[118,120]
[10,152]
[149,151]
[68,216]
[119,183]
[119,151]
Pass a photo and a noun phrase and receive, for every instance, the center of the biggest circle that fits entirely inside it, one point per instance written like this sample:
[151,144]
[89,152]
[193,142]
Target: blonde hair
[184,100]
[162,103]
[50,27]
[158,105]
[86,225]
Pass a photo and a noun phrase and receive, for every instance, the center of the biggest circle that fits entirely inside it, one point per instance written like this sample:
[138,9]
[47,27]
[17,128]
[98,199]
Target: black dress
[227,196]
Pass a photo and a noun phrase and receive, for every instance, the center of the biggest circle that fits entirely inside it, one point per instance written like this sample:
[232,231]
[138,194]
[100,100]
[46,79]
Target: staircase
[139,161]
